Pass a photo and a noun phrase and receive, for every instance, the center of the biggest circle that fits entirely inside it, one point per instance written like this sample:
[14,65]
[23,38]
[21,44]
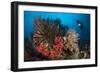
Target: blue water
[72,20]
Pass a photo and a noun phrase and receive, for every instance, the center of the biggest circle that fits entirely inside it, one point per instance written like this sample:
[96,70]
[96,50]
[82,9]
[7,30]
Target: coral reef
[51,41]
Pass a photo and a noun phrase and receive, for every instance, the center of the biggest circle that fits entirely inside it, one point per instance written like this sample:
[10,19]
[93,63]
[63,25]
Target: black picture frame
[14,35]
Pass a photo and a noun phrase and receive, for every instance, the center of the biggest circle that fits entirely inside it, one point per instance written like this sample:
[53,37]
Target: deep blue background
[69,19]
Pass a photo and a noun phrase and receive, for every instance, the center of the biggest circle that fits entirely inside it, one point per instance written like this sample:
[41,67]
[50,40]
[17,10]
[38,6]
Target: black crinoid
[47,29]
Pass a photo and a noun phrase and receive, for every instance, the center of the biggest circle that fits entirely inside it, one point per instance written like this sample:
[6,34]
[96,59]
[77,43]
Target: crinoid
[71,44]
